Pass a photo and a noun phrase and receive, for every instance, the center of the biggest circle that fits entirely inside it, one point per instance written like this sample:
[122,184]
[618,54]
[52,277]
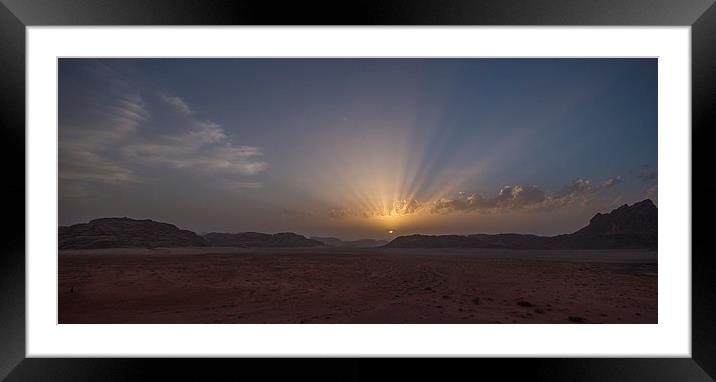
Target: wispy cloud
[232,184]
[85,148]
[176,102]
[114,138]
[204,147]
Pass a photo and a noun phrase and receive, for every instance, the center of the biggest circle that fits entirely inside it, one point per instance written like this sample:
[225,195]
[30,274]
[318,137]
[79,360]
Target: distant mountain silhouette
[260,240]
[626,227]
[361,243]
[503,240]
[640,217]
[126,233]
[632,226]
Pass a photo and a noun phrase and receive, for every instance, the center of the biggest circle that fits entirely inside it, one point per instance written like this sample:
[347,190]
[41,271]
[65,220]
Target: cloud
[294,213]
[461,203]
[85,148]
[111,133]
[339,213]
[652,193]
[177,103]
[580,190]
[242,185]
[577,188]
[648,176]
[508,198]
[646,173]
[523,197]
[518,197]
[406,206]
[204,147]
[401,207]
[613,181]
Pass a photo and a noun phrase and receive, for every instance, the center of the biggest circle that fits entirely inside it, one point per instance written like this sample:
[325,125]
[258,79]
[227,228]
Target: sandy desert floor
[333,285]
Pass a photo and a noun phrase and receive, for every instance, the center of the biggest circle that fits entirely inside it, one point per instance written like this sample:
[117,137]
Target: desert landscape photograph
[357,191]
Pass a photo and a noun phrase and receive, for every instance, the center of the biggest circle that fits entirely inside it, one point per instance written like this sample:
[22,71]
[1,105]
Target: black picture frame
[15,15]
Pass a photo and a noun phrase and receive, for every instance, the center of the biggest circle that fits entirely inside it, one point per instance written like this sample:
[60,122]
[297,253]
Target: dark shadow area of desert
[357,285]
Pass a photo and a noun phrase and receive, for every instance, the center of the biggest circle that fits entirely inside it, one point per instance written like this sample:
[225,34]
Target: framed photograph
[486,180]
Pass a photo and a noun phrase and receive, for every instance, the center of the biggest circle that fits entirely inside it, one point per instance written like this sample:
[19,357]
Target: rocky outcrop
[260,240]
[634,226]
[505,240]
[361,243]
[126,233]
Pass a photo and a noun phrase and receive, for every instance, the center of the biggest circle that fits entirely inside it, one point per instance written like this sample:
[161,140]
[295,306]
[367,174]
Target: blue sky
[354,147]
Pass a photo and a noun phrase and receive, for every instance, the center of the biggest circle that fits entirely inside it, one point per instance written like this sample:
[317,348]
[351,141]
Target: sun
[390,231]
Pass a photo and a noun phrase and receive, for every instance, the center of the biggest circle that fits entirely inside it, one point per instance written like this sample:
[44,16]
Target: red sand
[328,285]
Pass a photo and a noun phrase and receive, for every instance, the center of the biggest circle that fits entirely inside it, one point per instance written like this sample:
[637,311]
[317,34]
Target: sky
[356,147]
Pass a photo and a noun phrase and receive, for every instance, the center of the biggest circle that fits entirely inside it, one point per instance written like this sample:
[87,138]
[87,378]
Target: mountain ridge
[125,232]
[260,240]
[626,227]
[360,243]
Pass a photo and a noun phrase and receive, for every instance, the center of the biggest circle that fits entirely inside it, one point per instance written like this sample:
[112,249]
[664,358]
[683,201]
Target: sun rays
[386,175]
